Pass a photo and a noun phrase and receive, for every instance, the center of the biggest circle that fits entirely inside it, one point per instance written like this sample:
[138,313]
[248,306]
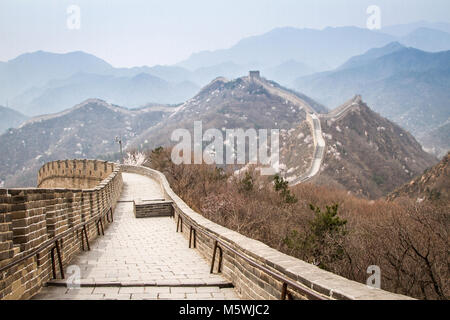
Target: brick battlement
[69,192]
[81,174]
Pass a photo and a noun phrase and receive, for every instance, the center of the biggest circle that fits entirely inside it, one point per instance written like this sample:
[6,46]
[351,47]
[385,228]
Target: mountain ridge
[368,154]
[45,82]
[10,118]
[408,86]
[433,185]
[86,130]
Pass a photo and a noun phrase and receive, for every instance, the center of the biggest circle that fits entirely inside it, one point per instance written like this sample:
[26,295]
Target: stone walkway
[141,258]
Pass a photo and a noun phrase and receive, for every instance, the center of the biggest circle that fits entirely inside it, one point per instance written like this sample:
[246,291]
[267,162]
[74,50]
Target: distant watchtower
[254,74]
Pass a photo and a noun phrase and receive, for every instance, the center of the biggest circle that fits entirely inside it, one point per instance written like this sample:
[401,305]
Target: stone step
[143,283]
[146,209]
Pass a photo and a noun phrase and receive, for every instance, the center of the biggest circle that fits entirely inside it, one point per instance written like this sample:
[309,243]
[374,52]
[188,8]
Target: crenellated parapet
[82,174]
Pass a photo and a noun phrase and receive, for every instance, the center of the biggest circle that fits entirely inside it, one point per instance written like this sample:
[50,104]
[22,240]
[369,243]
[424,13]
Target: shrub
[247,182]
[281,186]
[322,243]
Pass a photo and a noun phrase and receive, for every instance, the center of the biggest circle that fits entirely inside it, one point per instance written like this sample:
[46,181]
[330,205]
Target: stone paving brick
[144,296]
[131,290]
[106,290]
[157,290]
[117,297]
[83,297]
[208,289]
[172,296]
[202,296]
[80,291]
[182,290]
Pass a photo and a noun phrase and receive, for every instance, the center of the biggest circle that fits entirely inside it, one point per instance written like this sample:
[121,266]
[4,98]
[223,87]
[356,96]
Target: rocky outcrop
[432,185]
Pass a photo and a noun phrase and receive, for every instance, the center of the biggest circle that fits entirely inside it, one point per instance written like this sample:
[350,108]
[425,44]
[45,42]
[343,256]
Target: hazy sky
[148,32]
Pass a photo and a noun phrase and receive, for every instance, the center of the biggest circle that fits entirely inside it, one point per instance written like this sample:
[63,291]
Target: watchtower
[254,74]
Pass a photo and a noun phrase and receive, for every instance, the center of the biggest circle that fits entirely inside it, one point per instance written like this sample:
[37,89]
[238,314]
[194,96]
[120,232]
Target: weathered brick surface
[153,209]
[70,192]
[81,174]
[251,282]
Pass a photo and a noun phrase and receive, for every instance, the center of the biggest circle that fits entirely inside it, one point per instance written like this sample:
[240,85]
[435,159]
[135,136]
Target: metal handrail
[286,281]
[47,243]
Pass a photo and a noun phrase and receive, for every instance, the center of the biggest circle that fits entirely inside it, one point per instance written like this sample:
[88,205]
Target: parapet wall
[249,281]
[80,174]
[71,192]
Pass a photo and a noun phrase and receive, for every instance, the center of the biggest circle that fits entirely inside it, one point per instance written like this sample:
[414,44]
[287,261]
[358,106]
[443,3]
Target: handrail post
[284,291]
[82,239]
[58,252]
[193,236]
[38,262]
[100,227]
[86,236]
[219,267]
[178,223]
[213,257]
[52,255]
[109,215]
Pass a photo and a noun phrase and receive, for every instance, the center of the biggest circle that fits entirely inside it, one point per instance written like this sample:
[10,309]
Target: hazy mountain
[172,74]
[30,82]
[318,49]
[432,185]
[437,140]
[10,118]
[372,54]
[84,131]
[228,69]
[365,153]
[286,72]
[401,30]
[244,102]
[427,39]
[133,91]
[37,68]
[406,85]
[42,82]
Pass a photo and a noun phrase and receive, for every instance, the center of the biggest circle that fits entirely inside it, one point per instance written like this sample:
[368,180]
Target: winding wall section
[31,218]
[251,282]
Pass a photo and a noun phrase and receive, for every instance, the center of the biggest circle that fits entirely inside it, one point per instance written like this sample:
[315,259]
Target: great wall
[82,214]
